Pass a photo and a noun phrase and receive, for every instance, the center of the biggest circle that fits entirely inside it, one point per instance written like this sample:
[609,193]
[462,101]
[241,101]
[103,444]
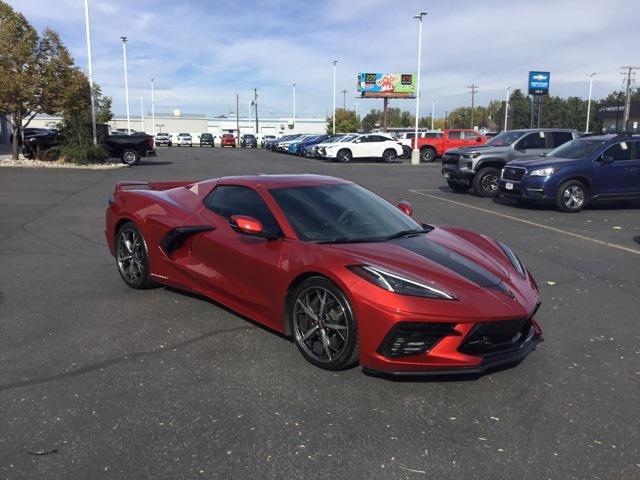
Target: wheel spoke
[323,300]
[325,343]
[309,332]
[307,309]
[335,326]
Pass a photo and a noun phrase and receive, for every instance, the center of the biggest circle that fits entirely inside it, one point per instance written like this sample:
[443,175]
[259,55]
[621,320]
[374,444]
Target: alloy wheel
[573,197]
[131,256]
[320,325]
[490,183]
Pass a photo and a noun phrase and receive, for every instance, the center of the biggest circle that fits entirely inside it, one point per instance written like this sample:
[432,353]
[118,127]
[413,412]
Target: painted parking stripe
[528,222]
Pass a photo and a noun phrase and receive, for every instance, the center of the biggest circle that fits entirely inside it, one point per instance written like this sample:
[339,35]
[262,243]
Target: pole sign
[539,83]
[387,84]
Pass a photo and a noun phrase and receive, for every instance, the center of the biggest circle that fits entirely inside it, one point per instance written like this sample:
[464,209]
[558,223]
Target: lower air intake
[412,338]
[491,338]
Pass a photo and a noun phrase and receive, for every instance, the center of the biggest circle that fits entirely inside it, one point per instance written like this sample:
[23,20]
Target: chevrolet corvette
[351,278]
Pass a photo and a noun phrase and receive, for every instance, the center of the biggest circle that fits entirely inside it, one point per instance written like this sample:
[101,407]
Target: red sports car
[351,278]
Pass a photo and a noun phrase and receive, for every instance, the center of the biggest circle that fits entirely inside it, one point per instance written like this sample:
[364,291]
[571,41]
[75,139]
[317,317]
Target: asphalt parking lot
[101,381]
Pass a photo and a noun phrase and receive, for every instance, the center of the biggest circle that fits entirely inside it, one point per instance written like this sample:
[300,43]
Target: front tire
[458,187]
[132,256]
[571,196]
[130,157]
[323,325]
[485,182]
[344,156]
[427,155]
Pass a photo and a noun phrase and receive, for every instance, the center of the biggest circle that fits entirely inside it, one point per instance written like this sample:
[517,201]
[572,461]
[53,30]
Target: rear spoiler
[136,185]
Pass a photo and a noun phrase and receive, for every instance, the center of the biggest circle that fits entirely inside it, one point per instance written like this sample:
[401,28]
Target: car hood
[539,161]
[483,149]
[465,264]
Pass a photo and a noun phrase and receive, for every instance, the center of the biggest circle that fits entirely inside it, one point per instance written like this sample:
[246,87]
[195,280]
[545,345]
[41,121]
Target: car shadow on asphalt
[436,378]
[144,163]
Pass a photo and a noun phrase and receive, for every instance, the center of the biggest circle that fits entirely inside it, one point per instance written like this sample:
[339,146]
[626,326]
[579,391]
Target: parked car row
[342,148]
[548,165]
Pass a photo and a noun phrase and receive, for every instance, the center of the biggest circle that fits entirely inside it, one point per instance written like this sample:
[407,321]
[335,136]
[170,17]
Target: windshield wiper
[349,240]
[408,233]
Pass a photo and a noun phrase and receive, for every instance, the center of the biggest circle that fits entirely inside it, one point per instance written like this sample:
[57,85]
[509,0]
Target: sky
[201,53]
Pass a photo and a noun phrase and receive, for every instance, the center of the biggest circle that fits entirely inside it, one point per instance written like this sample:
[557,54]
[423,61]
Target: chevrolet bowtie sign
[539,83]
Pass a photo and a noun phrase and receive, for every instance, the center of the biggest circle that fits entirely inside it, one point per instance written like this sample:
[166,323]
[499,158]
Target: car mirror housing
[406,208]
[247,225]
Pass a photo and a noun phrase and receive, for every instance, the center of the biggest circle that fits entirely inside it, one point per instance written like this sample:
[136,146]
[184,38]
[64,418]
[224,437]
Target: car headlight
[471,155]
[393,282]
[513,258]
[543,172]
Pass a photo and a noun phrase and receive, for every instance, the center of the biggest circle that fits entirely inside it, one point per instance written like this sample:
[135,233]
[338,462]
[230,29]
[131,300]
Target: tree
[34,71]
[346,121]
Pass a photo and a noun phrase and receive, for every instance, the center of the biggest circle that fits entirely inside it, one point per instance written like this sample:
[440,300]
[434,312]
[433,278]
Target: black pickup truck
[128,148]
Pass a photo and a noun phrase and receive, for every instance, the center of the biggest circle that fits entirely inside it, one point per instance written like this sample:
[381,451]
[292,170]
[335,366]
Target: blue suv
[587,169]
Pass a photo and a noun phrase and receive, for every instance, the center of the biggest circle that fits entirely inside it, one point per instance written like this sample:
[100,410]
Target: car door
[617,168]
[243,269]
[534,143]
[454,140]
[471,138]
[360,146]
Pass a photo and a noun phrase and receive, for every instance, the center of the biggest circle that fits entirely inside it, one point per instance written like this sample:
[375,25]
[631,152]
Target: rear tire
[427,155]
[389,155]
[321,312]
[485,182]
[458,187]
[344,156]
[571,196]
[130,157]
[132,257]
[406,152]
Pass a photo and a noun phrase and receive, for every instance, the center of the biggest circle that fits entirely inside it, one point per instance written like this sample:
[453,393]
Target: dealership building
[195,124]
[611,116]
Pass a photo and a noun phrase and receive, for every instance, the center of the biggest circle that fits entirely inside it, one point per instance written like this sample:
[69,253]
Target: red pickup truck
[434,146]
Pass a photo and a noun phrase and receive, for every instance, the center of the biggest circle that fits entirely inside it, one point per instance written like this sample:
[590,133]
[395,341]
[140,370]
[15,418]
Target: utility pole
[433,112]
[255,104]
[142,113]
[627,102]
[473,90]
[294,106]
[446,116]
[415,153]
[93,101]
[344,100]
[506,110]
[238,117]
[153,110]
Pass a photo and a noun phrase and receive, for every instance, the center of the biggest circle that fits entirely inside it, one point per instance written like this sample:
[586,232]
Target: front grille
[491,338]
[412,338]
[513,173]
[450,159]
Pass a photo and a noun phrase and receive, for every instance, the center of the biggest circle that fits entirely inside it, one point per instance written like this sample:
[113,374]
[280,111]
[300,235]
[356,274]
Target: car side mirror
[478,139]
[406,208]
[246,225]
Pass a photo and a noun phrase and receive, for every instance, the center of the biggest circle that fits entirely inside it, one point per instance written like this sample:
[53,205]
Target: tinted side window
[532,140]
[619,151]
[378,138]
[228,200]
[561,137]
[469,135]
[455,135]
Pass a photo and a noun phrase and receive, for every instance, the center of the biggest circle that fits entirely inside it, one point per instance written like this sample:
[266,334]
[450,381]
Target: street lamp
[334,96]
[415,153]
[93,102]
[294,105]
[126,82]
[586,128]
[506,109]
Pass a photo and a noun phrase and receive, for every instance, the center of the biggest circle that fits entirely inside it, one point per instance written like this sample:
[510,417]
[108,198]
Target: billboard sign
[387,84]
[539,83]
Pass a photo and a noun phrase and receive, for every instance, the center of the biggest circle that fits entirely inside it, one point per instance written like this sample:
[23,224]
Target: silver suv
[479,167]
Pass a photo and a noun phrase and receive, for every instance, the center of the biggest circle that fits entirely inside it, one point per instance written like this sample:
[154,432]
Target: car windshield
[504,139]
[340,213]
[577,149]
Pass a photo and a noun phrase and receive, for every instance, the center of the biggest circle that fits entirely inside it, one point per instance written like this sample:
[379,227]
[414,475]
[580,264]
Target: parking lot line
[528,222]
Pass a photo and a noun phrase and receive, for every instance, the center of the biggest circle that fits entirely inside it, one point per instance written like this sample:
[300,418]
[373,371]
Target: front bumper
[528,188]
[455,175]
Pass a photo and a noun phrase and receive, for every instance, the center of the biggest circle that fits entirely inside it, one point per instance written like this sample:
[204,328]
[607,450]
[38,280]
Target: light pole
[433,112]
[294,105]
[153,110]
[142,113]
[586,128]
[506,109]
[415,153]
[93,102]
[334,96]
[126,82]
